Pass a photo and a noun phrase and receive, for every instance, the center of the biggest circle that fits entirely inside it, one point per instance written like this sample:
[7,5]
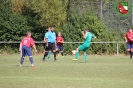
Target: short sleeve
[46,35]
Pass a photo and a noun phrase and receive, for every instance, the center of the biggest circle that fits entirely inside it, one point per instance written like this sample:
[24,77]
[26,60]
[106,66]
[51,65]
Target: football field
[99,72]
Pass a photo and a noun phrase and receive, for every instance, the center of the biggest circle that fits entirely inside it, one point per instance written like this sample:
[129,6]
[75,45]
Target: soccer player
[48,56]
[60,41]
[86,45]
[25,45]
[129,41]
[50,39]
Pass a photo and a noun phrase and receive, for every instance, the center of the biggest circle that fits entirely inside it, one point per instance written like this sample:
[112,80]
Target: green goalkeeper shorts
[84,48]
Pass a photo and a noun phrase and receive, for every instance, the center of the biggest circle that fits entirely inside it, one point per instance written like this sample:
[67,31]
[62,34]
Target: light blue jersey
[51,36]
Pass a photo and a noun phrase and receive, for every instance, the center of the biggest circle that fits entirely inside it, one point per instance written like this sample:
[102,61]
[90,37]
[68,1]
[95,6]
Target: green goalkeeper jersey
[88,38]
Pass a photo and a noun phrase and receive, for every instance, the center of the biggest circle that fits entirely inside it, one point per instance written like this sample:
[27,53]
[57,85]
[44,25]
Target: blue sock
[21,60]
[31,60]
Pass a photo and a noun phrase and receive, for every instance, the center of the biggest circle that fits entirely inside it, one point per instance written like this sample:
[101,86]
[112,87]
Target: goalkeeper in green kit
[86,45]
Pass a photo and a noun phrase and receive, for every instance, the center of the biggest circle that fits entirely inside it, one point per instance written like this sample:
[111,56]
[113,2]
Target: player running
[86,45]
[25,45]
[129,41]
[60,41]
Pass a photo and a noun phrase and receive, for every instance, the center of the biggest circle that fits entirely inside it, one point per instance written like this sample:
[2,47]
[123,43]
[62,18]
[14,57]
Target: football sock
[31,60]
[45,54]
[48,56]
[62,53]
[85,57]
[131,55]
[54,55]
[76,55]
[21,60]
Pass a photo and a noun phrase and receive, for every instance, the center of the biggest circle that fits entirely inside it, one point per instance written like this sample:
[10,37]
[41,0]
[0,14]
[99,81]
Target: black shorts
[51,46]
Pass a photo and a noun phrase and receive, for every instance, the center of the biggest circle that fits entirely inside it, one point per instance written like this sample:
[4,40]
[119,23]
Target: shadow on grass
[23,66]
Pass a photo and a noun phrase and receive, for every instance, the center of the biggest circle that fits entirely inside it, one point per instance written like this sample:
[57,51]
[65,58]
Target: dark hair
[87,29]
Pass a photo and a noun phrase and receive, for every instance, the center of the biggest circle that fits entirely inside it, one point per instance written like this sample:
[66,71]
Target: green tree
[12,27]
[50,12]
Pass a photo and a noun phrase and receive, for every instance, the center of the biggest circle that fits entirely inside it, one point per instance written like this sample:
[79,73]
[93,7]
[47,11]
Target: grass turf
[99,72]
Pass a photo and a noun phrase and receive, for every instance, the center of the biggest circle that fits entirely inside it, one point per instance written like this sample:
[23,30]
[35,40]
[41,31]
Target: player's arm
[125,38]
[55,43]
[20,47]
[56,40]
[83,33]
[33,44]
[62,40]
[46,41]
[94,37]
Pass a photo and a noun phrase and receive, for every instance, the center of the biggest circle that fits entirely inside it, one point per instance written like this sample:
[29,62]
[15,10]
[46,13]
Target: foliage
[19,16]
[79,22]
[50,12]
[12,27]
[17,6]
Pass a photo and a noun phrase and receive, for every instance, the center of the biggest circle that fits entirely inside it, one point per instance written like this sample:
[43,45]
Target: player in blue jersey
[50,39]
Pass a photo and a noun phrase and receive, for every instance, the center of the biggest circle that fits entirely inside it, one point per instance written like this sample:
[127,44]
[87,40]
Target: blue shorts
[26,51]
[129,45]
[60,48]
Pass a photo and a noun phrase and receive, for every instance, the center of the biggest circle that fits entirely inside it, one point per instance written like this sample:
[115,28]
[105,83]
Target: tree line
[19,16]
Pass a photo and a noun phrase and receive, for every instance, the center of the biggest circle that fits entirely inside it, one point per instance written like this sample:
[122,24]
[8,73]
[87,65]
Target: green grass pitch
[99,72]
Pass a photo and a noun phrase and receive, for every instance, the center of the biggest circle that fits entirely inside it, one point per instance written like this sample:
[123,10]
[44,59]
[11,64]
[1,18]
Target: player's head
[28,33]
[52,28]
[59,33]
[49,28]
[130,30]
[86,30]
